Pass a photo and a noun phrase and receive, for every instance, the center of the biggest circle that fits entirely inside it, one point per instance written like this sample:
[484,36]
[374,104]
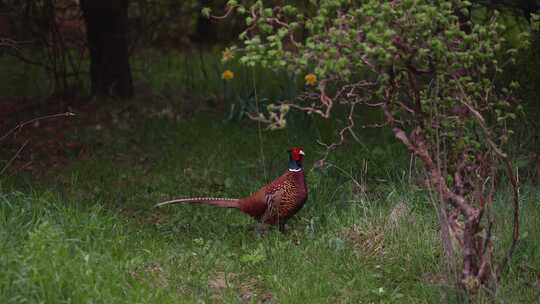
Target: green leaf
[206,11]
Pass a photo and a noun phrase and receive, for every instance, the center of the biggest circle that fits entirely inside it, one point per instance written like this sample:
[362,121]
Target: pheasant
[274,203]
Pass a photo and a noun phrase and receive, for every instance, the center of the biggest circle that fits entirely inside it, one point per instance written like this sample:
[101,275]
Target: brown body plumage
[274,203]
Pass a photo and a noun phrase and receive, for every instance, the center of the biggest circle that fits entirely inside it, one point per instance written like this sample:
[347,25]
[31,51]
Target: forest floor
[77,222]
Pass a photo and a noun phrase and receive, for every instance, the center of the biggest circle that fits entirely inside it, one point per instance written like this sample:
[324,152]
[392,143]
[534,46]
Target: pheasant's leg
[261,229]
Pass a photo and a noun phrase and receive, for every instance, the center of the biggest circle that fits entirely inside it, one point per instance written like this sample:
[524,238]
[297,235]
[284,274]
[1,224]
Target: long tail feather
[215,201]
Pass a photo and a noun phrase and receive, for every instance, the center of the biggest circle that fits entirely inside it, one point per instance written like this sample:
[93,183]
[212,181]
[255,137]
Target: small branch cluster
[275,118]
[8,43]
[56,29]
[19,127]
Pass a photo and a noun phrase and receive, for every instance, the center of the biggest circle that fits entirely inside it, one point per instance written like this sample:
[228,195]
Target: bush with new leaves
[432,73]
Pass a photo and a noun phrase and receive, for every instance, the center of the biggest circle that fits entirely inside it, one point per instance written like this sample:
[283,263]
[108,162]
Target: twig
[14,157]
[228,12]
[513,180]
[6,42]
[347,174]
[21,125]
[515,199]
[348,128]
[259,130]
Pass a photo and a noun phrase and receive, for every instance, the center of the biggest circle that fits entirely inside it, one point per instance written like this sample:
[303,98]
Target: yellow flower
[227,55]
[227,75]
[311,79]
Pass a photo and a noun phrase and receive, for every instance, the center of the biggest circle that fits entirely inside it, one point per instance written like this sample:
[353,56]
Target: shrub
[431,72]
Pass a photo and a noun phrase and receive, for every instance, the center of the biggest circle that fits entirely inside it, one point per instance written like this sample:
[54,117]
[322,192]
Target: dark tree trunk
[107,32]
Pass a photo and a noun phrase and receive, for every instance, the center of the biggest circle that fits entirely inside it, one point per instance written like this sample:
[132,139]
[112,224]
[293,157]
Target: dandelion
[227,75]
[227,55]
[311,79]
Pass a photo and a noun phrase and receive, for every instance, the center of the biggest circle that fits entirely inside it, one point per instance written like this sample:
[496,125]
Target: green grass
[88,233]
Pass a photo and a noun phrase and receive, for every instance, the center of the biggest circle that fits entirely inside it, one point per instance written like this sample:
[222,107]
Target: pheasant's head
[296,156]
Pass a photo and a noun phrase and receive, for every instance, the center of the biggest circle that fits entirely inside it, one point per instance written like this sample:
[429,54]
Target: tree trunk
[106,30]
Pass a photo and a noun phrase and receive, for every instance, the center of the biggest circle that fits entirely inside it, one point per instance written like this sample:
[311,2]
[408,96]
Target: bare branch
[23,124]
[14,157]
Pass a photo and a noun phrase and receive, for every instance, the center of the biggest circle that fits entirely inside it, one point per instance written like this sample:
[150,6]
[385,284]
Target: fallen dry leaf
[219,281]
[154,272]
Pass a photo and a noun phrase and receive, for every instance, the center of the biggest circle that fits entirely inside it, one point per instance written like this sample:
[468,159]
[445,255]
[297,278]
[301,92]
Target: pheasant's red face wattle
[297,154]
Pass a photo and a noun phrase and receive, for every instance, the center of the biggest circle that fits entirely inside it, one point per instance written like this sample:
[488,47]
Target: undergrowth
[89,233]
[368,233]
